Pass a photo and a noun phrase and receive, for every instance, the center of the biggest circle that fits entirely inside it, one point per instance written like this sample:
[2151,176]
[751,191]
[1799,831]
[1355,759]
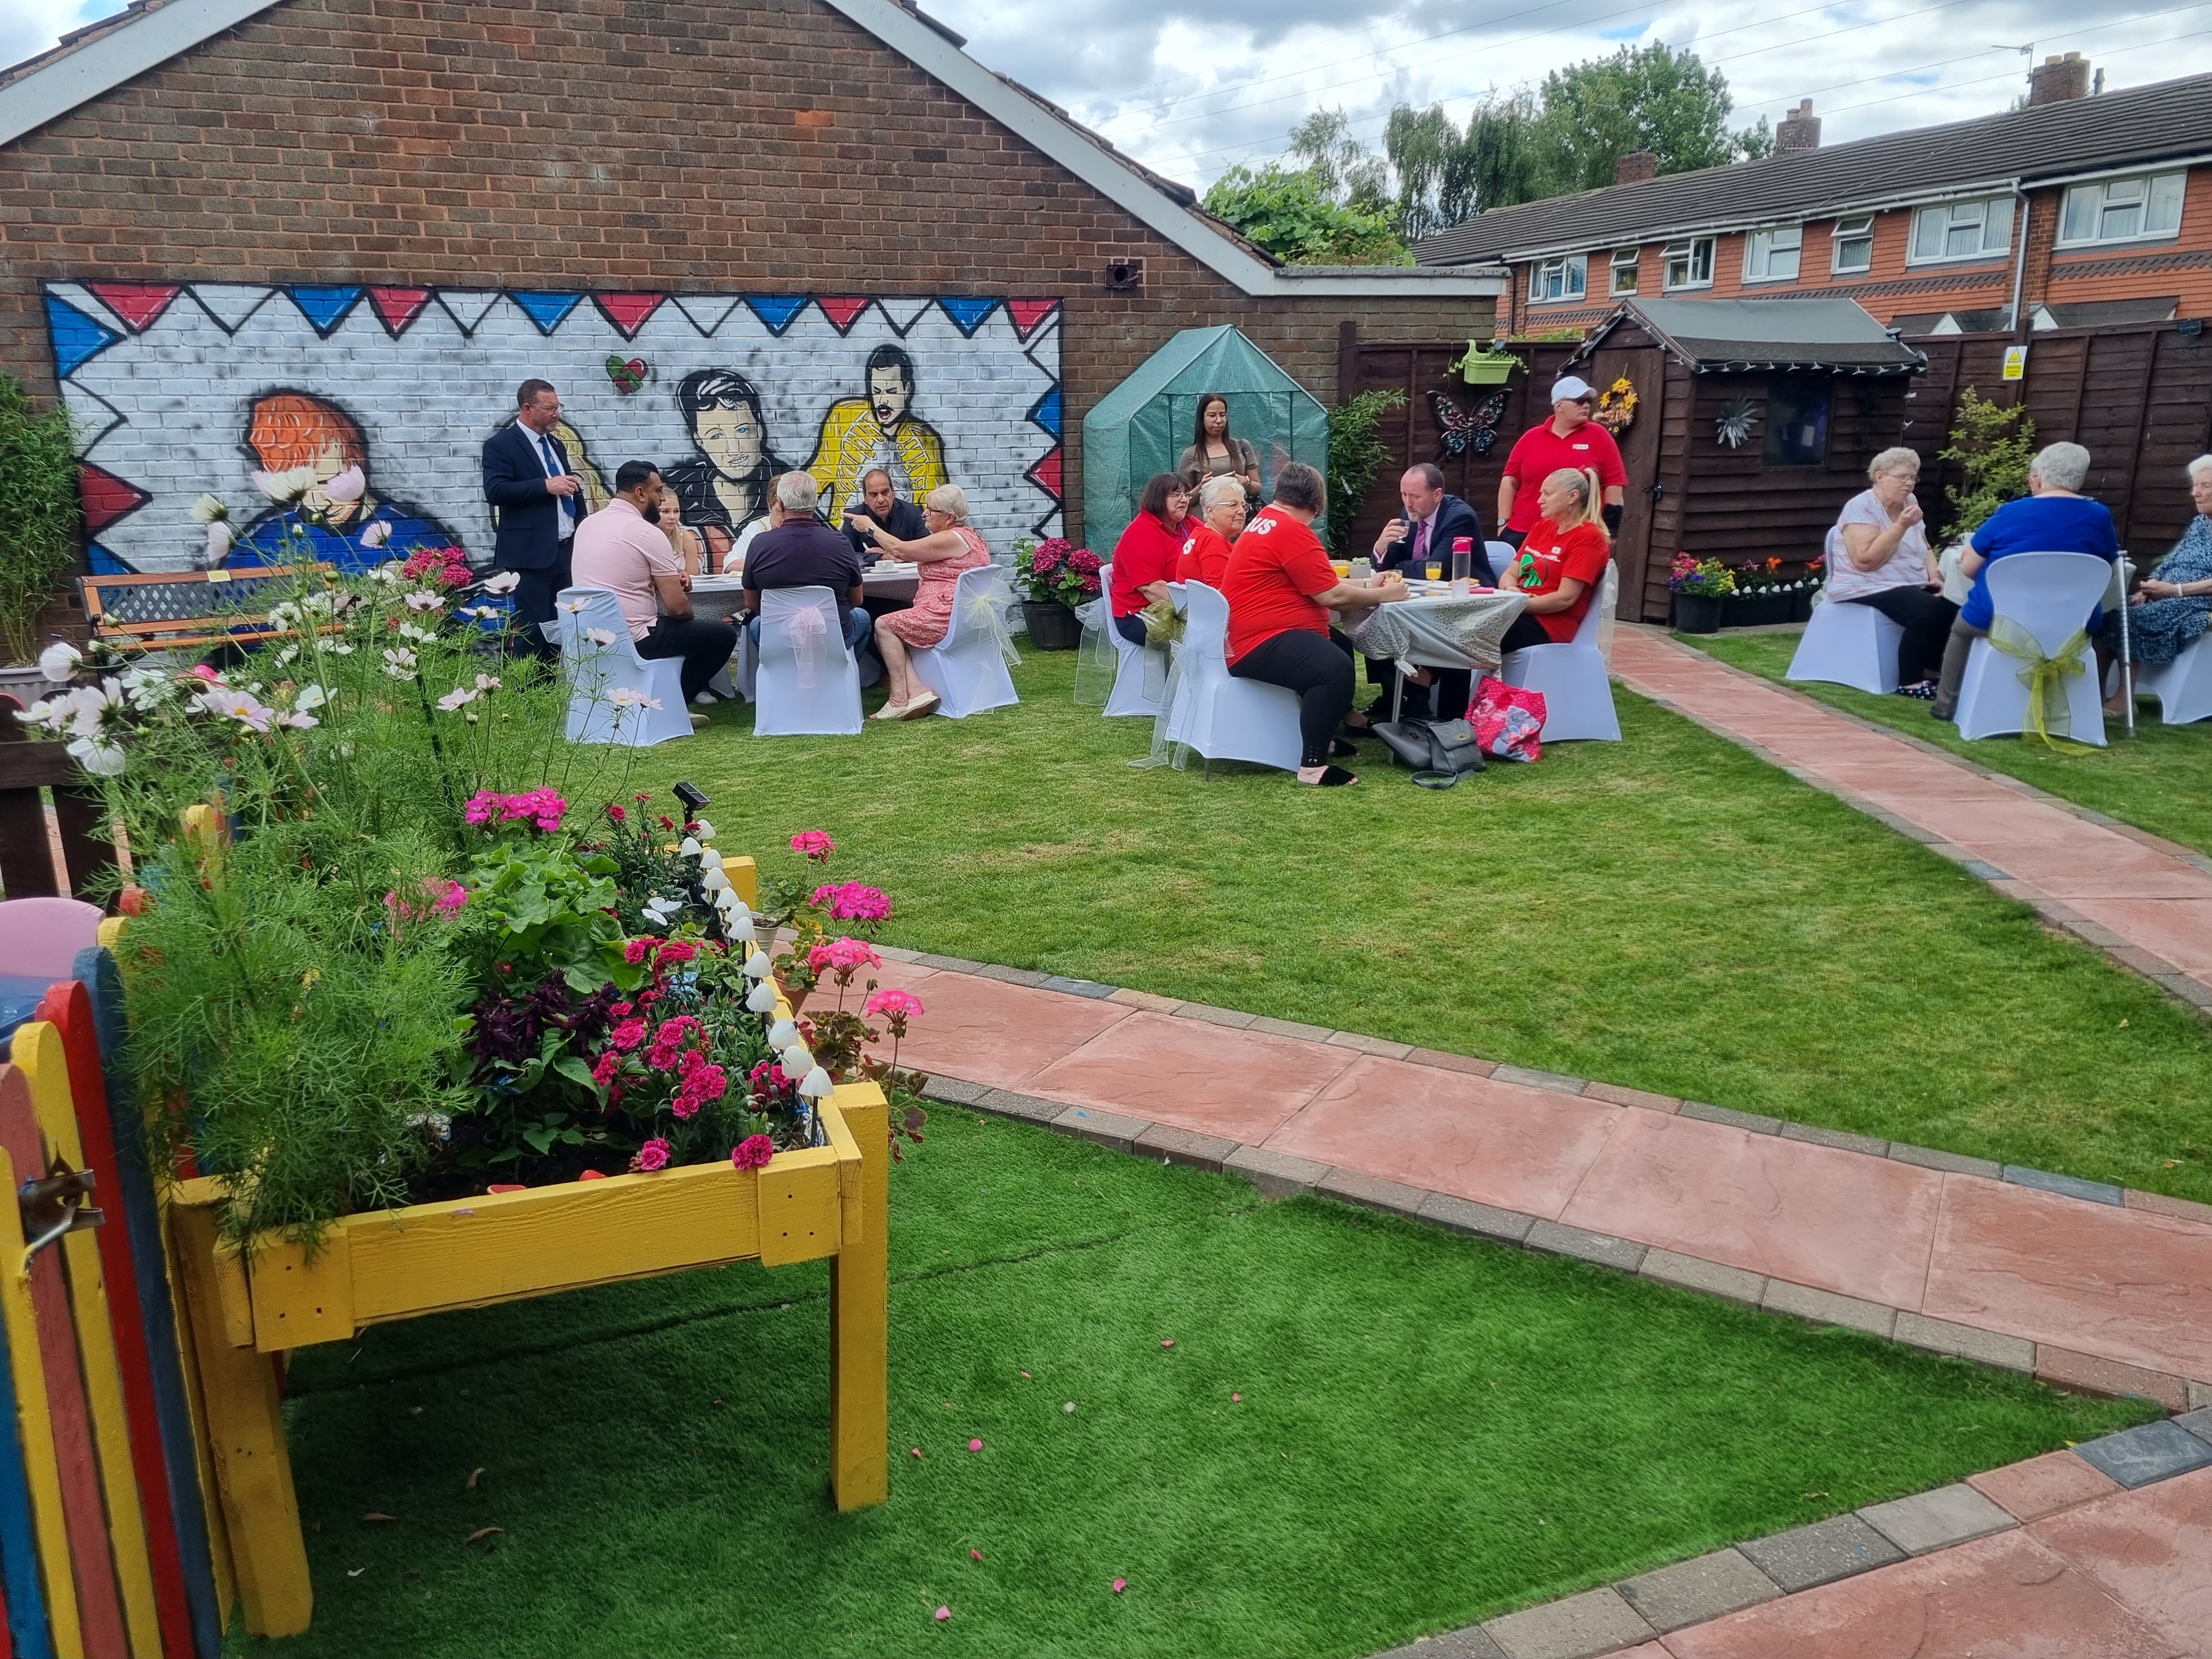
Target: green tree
[1292,215]
[1648,98]
[1346,170]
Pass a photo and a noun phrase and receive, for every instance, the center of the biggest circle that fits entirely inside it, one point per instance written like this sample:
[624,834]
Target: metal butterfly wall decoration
[1457,427]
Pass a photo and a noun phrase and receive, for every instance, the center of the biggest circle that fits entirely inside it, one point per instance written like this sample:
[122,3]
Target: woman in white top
[1878,556]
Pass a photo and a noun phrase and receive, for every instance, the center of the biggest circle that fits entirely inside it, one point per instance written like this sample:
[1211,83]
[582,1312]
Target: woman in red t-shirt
[1560,567]
[1205,550]
[1145,558]
[1281,588]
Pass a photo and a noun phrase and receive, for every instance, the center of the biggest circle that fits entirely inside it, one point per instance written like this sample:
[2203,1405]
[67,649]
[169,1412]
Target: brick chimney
[1800,129]
[2056,79]
[1635,166]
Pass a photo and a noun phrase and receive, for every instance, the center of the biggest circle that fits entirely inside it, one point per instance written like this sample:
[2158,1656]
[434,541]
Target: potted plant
[1487,365]
[39,509]
[1759,600]
[1057,576]
[1701,587]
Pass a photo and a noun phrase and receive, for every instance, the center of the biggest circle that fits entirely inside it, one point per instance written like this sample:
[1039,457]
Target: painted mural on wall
[184,389]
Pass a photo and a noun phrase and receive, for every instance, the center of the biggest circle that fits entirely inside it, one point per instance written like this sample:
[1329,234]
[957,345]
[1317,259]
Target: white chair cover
[805,682]
[1500,554]
[2184,686]
[1577,690]
[967,667]
[2050,596]
[1213,712]
[615,695]
[1846,644]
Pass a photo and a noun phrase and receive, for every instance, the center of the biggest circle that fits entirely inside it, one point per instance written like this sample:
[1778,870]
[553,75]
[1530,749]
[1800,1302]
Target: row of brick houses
[2082,208]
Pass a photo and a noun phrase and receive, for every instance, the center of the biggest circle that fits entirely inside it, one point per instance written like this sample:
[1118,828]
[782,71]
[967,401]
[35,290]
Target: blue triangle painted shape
[77,337]
[324,308]
[777,312]
[1045,411]
[104,563]
[967,315]
[548,311]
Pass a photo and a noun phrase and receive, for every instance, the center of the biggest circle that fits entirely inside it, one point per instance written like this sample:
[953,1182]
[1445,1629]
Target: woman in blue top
[2053,517]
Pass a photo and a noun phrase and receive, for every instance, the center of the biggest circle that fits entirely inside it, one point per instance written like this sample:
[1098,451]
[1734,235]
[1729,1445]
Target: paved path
[2144,900]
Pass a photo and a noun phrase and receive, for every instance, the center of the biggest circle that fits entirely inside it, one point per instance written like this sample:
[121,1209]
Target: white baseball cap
[1572,387]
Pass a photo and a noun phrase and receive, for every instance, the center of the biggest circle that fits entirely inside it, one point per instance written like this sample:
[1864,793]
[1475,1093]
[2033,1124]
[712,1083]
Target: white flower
[320,604]
[391,571]
[757,965]
[59,661]
[88,706]
[147,688]
[295,717]
[599,636]
[423,598]
[339,649]
[348,486]
[218,543]
[456,698]
[209,509]
[795,1060]
[377,534]
[52,712]
[420,635]
[487,682]
[574,607]
[289,654]
[816,1085]
[506,582]
[311,696]
[285,487]
[762,997]
[101,759]
[623,697]
[399,664]
[240,706]
[782,1035]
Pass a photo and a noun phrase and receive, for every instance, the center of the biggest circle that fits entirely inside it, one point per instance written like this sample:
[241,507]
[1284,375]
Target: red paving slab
[2152,1548]
[1213,1078]
[999,1034]
[2128,1284]
[1504,1144]
[2044,1486]
[1839,1221]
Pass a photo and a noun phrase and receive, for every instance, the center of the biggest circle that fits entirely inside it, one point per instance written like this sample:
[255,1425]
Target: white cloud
[29,27]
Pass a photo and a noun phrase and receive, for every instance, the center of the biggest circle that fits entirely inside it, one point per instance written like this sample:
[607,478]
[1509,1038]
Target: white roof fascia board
[1485,281]
[2164,165]
[147,42]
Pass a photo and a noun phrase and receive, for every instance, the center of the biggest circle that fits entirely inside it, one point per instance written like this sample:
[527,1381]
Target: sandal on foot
[1326,777]
[889,711]
[1341,749]
[925,703]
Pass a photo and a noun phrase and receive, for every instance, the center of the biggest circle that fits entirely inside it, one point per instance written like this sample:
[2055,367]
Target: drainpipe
[2020,263]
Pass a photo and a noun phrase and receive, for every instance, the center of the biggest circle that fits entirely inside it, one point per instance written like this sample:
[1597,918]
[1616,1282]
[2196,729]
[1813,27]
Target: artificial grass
[1667,912]
[1431,1431]
[2161,780]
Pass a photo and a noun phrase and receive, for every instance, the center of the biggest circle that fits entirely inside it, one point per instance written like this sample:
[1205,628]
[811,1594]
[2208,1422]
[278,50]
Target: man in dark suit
[537,501]
[1424,532]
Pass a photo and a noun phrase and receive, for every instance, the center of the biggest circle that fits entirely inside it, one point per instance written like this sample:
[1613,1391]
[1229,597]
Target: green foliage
[1646,97]
[1707,578]
[1447,173]
[1345,169]
[38,514]
[1991,445]
[1356,451]
[1292,216]
[537,908]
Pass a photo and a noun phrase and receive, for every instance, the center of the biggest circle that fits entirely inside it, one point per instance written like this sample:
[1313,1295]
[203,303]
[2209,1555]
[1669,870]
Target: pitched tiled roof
[1735,335]
[2162,122]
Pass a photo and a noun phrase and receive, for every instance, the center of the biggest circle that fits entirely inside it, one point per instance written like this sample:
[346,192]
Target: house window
[1797,422]
[1688,264]
[1624,269]
[1559,279]
[2122,211]
[1961,230]
[1771,256]
[1852,241]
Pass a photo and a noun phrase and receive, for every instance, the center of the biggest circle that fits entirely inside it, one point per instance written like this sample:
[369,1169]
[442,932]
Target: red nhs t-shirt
[1542,452]
[1548,557]
[1275,568]
[1204,556]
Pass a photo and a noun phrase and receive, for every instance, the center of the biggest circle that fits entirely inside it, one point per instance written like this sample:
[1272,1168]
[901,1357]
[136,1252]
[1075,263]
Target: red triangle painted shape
[138,304]
[629,312]
[1027,313]
[398,307]
[842,313]
[1045,475]
[106,497]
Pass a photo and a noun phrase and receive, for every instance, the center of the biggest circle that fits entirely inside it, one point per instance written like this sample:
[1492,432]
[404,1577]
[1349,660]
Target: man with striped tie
[536,502]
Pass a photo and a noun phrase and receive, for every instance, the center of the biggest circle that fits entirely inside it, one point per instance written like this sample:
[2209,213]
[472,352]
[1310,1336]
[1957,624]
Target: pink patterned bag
[1508,720]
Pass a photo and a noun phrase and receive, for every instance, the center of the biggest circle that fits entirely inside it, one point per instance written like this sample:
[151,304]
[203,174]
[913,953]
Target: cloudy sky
[1193,88]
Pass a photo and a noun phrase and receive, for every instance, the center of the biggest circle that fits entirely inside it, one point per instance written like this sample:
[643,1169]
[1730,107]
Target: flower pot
[1477,370]
[25,682]
[1801,604]
[1052,626]
[1697,613]
[1758,610]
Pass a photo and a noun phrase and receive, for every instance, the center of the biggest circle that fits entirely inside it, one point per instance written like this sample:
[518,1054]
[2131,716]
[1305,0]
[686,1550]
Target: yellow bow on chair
[2049,706]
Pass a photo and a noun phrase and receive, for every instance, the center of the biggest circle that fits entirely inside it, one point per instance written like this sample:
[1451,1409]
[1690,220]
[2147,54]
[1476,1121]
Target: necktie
[553,467]
[1421,540]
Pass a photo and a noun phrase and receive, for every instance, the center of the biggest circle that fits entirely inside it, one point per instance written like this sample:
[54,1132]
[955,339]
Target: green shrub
[1991,446]
[38,514]
[1356,453]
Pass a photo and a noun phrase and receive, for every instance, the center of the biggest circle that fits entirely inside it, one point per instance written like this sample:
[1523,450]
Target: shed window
[1852,241]
[2122,211]
[1770,255]
[1689,264]
[1624,269]
[1961,230]
[1797,422]
[1559,279]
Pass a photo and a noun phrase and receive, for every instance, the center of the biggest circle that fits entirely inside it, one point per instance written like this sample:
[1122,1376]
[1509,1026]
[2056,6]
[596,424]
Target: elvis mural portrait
[182,389]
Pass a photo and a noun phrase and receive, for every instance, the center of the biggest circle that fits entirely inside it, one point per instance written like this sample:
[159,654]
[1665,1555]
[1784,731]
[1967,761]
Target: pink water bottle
[1463,558]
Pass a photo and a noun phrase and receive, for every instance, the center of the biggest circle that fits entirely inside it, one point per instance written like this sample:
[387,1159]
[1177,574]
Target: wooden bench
[183,610]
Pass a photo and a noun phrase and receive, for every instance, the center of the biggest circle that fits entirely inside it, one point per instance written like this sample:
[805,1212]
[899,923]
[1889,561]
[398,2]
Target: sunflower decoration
[1616,406]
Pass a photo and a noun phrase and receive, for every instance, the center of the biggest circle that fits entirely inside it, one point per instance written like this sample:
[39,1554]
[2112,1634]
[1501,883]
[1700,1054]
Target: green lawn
[1431,1431]
[1667,913]
[2160,781]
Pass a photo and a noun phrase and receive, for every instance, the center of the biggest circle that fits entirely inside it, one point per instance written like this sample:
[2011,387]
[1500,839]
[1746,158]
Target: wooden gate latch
[59,1204]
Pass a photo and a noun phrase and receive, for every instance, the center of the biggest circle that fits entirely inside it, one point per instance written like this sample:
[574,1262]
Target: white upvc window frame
[2145,193]
[1954,219]
[1573,271]
[1858,229]
[1762,247]
[1690,251]
[1625,259]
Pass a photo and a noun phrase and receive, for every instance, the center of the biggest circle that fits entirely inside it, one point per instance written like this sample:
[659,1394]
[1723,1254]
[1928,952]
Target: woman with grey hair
[2053,517]
[2170,607]
[952,546]
[1878,556]
[1220,520]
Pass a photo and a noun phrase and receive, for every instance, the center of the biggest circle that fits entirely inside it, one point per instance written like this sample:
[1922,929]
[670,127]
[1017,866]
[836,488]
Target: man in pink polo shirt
[1569,439]
[622,549]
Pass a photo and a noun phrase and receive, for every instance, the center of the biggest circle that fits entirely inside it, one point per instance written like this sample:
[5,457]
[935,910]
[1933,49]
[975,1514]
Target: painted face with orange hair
[289,429]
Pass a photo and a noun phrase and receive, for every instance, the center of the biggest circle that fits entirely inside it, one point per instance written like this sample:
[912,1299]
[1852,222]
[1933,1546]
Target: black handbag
[1441,752]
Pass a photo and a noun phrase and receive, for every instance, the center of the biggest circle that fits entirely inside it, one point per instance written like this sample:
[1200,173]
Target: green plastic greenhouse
[1143,425]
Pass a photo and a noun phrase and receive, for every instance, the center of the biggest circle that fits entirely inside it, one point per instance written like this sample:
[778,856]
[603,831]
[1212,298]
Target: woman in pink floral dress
[950,547]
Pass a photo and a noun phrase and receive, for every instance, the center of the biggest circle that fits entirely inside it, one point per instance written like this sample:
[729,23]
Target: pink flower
[853,902]
[636,950]
[200,671]
[752,1152]
[674,950]
[1084,560]
[815,844]
[617,813]
[845,957]
[627,1035]
[455,897]
[654,1155]
[1044,561]
[348,486]
[894,1004]
[603,1068]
